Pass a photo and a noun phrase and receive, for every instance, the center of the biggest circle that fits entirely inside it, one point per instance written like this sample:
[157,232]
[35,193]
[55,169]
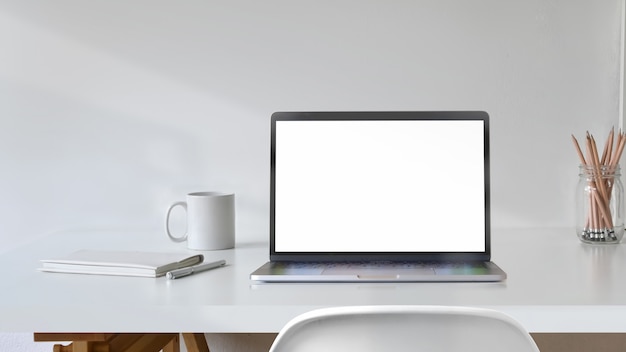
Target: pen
[182,272]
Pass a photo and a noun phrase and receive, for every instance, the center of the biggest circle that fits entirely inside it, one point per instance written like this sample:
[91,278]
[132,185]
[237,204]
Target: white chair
[403,328]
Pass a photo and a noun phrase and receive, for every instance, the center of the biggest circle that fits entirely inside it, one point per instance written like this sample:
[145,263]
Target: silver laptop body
[379,197]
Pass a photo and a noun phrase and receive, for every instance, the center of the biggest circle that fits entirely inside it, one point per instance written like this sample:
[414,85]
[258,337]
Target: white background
[111,110]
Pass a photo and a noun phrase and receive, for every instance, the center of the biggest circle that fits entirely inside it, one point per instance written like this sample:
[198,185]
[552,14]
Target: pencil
[608,148]
[580,153]
[600,172]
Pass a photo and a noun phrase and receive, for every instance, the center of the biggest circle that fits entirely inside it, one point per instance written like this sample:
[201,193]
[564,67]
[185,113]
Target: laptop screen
[362,184]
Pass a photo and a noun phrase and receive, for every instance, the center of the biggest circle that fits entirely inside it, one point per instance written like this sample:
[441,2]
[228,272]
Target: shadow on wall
[76,165]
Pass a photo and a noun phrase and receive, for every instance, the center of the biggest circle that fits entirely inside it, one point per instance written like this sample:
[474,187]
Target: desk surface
[555,284]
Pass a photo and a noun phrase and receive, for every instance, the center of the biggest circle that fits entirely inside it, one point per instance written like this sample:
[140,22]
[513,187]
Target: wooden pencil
[608,148]
[600,170]
[580,153]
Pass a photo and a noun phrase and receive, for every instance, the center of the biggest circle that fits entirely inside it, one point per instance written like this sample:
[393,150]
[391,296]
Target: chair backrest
[403,328]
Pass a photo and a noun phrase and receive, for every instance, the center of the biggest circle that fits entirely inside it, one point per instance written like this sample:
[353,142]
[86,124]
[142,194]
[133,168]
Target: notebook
[379,197]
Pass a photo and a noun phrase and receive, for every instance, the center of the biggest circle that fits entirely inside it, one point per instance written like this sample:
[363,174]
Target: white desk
[555,284]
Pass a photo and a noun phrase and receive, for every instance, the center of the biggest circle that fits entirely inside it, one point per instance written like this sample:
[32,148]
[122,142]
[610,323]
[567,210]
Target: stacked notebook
[124,263]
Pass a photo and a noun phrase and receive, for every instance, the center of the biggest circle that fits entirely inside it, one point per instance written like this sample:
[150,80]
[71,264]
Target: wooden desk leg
[61,348]
[195,342]
[173,345]
[81,346]
[151,342]
[82,342]
[77,346]
[124,342]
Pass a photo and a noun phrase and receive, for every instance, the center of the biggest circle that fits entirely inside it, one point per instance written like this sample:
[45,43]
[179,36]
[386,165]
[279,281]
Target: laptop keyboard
[381,265]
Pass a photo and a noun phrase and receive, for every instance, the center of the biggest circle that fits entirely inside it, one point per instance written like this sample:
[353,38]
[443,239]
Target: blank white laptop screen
[400,185]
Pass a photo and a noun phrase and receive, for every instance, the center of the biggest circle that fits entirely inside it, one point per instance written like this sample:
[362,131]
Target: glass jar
[600,204]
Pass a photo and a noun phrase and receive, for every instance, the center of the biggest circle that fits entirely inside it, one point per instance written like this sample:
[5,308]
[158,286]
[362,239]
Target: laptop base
[378,272]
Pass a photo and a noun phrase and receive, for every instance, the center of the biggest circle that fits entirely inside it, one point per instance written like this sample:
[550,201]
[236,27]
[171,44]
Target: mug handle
[167,222]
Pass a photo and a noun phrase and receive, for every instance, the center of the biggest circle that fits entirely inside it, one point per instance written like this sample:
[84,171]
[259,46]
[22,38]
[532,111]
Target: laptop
[379,197]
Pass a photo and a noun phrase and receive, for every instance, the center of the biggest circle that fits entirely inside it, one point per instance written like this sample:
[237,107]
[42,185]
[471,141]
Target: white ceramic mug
[210,221]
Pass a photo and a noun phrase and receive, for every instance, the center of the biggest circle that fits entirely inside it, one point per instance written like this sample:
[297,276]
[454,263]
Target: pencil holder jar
[600,204]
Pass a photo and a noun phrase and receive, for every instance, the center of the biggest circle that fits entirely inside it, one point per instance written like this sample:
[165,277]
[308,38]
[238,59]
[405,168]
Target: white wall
[110,110]
[622,111]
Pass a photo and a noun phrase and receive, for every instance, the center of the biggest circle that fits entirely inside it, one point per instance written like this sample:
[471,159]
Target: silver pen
[182,272]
